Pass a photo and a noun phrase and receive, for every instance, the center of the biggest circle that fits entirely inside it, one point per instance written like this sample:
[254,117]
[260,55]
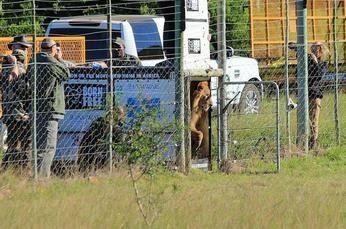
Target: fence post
[302,78]
[187,124]
[179,87]
[221,46]
[111,86]
[336,78]
[278,163]
[288,114]
[33,91]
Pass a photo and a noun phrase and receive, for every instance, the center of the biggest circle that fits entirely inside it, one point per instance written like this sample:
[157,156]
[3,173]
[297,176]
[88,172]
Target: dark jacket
[50,91]
[15,95]
[128,60]
[316,71]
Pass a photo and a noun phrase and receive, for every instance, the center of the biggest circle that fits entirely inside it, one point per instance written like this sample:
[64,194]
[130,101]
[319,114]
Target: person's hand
[313,57]
[12,59]
[11,62]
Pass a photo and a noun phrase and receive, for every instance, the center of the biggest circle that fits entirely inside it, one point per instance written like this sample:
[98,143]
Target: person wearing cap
[51,73]
[18,42]
[316,70]
[16,94]
[120,58]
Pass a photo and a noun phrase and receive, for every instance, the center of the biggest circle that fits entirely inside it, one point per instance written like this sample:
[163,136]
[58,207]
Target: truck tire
[250,100]
[93,152]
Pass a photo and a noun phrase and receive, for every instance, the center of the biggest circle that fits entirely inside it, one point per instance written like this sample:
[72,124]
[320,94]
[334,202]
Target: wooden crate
[268,27]
[73,47]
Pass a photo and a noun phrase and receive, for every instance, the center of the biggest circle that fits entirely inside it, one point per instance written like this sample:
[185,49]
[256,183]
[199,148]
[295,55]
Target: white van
[142,34]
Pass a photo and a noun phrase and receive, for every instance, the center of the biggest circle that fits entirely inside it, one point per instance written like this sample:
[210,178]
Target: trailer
[86,101]
[268,27]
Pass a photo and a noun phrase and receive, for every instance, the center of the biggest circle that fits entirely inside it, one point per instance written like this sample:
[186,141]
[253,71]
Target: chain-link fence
[103,89]
[106,99]
[253,126]
[310,76]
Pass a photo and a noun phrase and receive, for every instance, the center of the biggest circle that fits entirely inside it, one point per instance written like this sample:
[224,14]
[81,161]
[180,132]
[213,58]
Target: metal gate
[253,126]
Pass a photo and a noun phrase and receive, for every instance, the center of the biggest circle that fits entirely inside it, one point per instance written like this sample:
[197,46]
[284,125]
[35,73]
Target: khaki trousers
[47,136]
[314,113]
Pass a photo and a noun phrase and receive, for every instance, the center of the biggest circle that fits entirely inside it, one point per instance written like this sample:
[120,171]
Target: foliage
[145,143]
[147,9]
[16,16]
[144,149]
[237,23]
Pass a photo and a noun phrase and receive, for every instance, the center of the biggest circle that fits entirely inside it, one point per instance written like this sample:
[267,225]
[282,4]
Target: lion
[199,125]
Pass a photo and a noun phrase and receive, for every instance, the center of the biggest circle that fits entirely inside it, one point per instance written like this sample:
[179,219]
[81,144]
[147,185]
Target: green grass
[310,192]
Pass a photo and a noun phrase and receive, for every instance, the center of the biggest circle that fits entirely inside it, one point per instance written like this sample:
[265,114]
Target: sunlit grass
[310,192]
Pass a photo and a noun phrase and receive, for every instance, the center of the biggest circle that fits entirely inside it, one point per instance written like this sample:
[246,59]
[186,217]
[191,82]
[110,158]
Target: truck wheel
[250,100]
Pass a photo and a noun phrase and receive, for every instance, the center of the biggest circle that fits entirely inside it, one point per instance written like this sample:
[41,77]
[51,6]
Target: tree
[237,23]
[16,16]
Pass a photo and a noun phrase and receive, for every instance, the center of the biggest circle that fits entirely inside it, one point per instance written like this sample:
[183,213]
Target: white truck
[142,34]
[245,98]
[196,55]
[133,29]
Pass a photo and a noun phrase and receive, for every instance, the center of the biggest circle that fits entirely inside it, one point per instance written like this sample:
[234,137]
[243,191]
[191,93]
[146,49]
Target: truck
[86,102]
[239,97]
[87,89]
[142,34]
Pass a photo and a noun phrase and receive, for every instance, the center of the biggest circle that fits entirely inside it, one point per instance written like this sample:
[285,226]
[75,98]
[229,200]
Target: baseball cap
[119,41]
[47,43]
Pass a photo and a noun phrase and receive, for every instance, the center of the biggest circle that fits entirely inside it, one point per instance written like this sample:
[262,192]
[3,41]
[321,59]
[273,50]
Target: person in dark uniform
[316,70]
[120,58]
[18,43]
[16,97]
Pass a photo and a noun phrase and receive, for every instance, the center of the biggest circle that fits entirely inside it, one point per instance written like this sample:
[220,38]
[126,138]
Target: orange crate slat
[73,47]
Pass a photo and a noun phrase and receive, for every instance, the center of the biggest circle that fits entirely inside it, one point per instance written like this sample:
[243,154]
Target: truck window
[96,40]
[147,39]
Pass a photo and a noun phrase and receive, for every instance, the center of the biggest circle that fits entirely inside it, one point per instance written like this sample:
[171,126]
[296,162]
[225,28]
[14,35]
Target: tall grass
[310,192]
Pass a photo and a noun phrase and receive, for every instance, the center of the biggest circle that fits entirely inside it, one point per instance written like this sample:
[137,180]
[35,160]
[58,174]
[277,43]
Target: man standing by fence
[18,43]
[16,106]
[51,72]
[317,69]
